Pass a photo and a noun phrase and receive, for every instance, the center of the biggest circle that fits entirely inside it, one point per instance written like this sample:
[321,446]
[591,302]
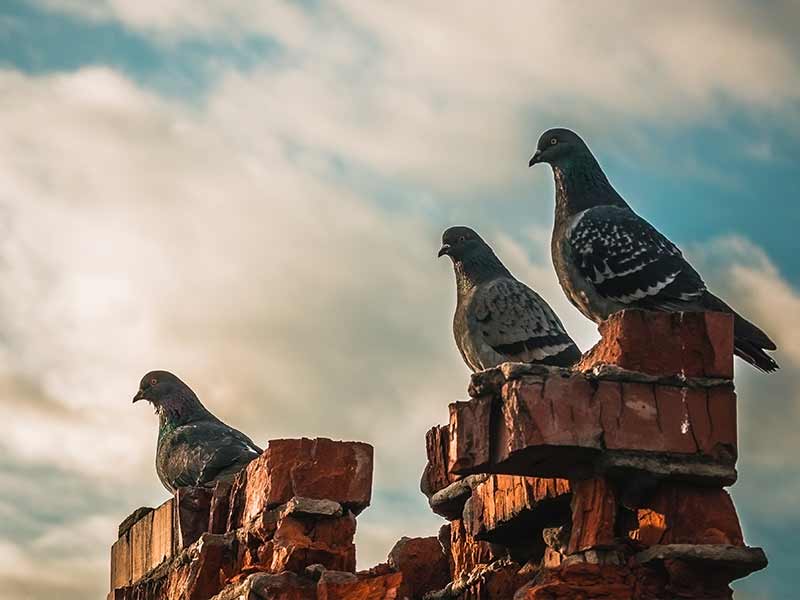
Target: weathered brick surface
[194,544]
[140,541]
[162,536]
[333,586]
[470,435]
[689,344]
[594,514]
[684,514]
[467,552]
[506,507]
[318,468]
[436,475]
[562,424]
[423,565]
[121,562]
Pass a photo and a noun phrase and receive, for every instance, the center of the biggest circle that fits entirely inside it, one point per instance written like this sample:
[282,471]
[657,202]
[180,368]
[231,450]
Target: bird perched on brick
[608,258]
[498,318]
[194,447]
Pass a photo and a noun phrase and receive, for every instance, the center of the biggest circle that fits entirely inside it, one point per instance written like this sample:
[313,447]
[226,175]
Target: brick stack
[282,530]
[605,481]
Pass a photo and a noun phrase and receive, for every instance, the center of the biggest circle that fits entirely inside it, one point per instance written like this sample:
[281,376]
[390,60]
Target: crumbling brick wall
[602,482]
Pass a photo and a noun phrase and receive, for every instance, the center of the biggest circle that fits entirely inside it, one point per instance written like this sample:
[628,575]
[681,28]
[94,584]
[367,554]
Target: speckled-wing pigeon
[608,258]
[194,447]
[498,318]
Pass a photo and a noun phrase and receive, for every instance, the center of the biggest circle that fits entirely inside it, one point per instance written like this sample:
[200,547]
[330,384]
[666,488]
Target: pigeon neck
[474,269]
[580,185]
[179,410]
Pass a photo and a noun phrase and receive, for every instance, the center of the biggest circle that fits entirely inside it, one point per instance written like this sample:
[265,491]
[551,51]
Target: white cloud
[221,240]
[768,406]
[451,96]
[139,234]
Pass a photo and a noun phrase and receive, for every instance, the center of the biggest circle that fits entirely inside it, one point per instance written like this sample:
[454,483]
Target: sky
[251,194]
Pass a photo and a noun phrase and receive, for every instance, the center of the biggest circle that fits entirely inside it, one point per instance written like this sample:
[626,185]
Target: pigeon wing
[202,452]
[518,324]
[628,261]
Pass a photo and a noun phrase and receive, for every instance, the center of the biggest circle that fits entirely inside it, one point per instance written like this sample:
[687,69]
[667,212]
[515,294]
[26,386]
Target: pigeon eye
[462,238]
[153,381]
[553,141]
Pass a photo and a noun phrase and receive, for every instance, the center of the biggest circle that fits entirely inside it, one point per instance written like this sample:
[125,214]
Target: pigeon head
[473,260]
[460,242]
[558,146]
[170,396]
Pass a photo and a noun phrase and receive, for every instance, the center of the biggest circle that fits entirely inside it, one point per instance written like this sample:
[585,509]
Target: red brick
[594,514]
[436,476]
[422,562]
[507,507]
[318,468]
[661,343]
[140,537]
[561,424]
[298,543]
[162,539]
[469,434]
[121,562]
[467,553]
[722,409]
[370,587]
[685,514]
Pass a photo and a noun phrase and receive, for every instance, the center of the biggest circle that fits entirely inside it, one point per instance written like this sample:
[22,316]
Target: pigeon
[608,258]
[194,447]
[498,318]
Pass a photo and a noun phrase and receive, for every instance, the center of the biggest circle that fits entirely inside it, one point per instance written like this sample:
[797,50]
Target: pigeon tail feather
[750,342]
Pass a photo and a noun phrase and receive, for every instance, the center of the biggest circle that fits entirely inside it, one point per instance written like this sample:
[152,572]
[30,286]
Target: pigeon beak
[535,159]
[139,396]
[445,249]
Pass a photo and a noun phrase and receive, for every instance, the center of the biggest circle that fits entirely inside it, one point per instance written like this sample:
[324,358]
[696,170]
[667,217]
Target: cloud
[139,234]
[446,98]
[768,406]
[273,242]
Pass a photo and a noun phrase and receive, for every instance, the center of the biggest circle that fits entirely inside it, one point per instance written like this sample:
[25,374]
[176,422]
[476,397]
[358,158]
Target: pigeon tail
[749,342]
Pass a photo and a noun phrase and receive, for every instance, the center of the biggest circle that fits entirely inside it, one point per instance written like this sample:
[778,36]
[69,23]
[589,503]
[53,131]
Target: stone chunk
[422,562]
[162,537]
[311,508]
[691,344]
[683,514]
[468,553]
[268,586]
[140,540]
[449,502]
[281,542]
[319,469]
[436,476]
[734,561]
[121,562]
[594,514]
[509,509]
[219,507]
[132,518]
[470,431]
[557,423]
[346,586]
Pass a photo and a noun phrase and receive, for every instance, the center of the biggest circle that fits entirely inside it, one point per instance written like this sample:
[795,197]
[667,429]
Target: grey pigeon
[498,318]
[608,258]
[194,447]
